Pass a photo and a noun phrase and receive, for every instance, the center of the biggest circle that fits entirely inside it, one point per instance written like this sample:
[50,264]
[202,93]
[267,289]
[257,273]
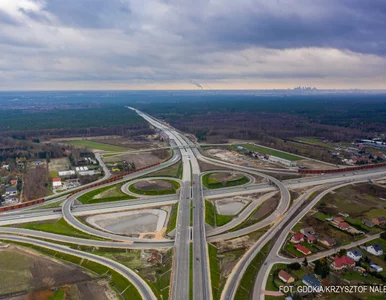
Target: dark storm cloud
[191,41]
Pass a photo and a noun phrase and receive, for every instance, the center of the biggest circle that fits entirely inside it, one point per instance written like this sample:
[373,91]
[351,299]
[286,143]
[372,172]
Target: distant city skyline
[183,45]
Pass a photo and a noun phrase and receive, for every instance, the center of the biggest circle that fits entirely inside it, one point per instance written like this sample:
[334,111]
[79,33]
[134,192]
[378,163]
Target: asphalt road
[130,275]
[81,241]
[273,256]
[181,264]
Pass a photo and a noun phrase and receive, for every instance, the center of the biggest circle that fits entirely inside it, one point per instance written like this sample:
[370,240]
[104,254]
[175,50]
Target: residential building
[342,262]
[379,221]
[328,242]
[86,173]
[297,238]
[355,254]
[375,268]
[343,226]
[367,223]
[302,249]
[307,230]
[66,173]
[285,277]
[311,280]
[374,249]
[56,182]
[11,191]
[311,239]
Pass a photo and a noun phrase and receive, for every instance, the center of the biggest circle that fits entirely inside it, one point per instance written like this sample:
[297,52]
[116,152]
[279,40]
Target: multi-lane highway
[188,233]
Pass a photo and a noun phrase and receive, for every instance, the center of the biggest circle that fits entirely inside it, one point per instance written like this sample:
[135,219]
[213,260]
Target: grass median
[169,191]
[245,288]
[212,217]
[105,194]
[58,227]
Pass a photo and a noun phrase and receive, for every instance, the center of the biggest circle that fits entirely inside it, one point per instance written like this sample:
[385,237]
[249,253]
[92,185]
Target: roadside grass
[95,145]
[245,288]
[109,154]
[214,271]
[50,205]
[89,198]
[277,153]
[211,183]
[175,184]
[212,217]
[59,227]
[191,272]
[173,171]
[320,216]
[118,282]
[172,219]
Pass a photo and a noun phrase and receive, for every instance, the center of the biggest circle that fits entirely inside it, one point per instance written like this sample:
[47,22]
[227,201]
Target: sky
[192,44]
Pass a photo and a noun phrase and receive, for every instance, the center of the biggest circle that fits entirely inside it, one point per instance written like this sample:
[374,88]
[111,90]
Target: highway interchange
[190,236]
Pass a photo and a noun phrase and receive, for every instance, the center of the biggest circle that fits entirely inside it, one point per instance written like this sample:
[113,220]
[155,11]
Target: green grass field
[173,218]
[212,217]
[111,193]
[58,227]
[273,152]
[214,271]
[176,186]
[212,183]
[245,288]
[95,145]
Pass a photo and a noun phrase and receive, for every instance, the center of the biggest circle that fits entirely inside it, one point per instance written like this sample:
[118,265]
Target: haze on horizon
[172,44]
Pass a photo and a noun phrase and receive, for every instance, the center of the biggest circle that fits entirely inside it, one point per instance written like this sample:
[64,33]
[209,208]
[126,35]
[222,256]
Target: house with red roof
[342,262]
[285,277]
[302,249]
[297,238]
[56,182]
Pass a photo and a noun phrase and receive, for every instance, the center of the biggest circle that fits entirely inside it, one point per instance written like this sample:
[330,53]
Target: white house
[66,173]
[10,191]
[376,268]
[56,182]
[375,249]
[355,254]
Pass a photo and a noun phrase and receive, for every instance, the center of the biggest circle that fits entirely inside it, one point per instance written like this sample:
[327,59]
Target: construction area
[27,274]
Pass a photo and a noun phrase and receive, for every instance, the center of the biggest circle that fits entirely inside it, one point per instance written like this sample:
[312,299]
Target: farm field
[22,269]
[95,145]
[140,160]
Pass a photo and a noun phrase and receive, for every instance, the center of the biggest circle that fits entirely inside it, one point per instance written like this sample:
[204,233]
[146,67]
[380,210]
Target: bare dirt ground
[314,165]
[153,185]
[239,159]
[267,208]
[225,177]
[59,164]
[140,159]
[25,269]
[209,167]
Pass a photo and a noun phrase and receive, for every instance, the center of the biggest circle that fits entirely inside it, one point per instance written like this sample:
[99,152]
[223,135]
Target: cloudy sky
[188,44]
